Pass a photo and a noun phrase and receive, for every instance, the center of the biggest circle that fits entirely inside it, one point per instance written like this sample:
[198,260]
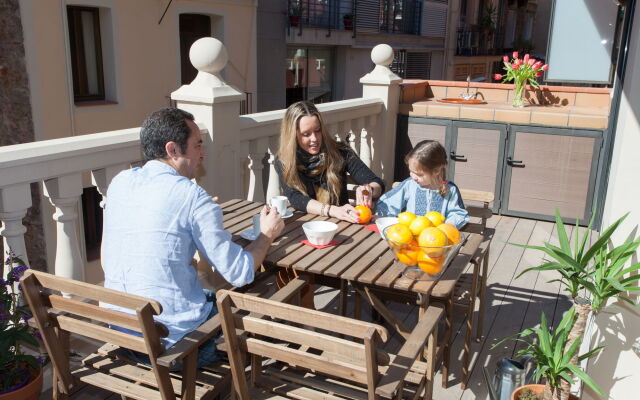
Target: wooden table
[362,258]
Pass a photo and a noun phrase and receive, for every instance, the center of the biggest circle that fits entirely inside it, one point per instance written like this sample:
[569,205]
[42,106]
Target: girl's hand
[364,195]
[345,213]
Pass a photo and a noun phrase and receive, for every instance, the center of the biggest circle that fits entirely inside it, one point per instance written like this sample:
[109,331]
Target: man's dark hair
[161,127]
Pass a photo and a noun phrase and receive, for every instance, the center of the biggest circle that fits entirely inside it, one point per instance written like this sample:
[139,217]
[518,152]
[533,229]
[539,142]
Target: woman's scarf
[313,168]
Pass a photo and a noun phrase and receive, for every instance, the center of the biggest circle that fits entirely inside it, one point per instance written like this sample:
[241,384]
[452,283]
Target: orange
[419,224]
[408,255]
[398,233]
[433,237]
[451,232]
[365,214]
[406,217]
[430,265]
[435,217]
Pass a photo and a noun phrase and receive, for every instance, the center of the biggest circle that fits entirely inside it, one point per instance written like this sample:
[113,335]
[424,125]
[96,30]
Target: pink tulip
[497,77]
[506,59]
[526,58]
[532,61]
[537,65]
[517,61]
[515,54]
[545,67]
[516,66]
[538,74]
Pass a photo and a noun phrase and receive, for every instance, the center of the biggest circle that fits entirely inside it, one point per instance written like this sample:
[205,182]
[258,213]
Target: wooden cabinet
[531,170]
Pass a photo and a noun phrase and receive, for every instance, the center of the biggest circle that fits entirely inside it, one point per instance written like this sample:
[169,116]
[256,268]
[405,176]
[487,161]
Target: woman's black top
[358,171]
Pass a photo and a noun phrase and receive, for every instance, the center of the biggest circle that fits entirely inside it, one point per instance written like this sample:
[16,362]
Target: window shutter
[368,16]
[418,66]
[434,19]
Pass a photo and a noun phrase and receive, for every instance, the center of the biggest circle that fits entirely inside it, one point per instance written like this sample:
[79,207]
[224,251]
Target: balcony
[241,150]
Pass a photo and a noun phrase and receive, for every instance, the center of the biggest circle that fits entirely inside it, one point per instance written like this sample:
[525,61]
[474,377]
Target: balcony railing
[390,16]
[238,148]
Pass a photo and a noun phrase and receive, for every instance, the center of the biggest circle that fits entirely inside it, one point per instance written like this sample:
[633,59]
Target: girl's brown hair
[432,157]
[289,144]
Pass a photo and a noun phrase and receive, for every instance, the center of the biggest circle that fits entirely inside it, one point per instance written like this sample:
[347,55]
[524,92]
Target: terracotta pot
[538,389]
[31,391]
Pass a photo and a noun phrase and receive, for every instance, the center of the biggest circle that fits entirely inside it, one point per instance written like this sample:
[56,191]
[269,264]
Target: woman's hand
[345,213]
[364,195]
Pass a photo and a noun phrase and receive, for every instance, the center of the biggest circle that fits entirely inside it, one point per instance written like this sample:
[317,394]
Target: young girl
[426,189]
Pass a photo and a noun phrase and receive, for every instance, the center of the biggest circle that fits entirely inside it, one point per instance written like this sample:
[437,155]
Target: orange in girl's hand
[453,235]
[365,214]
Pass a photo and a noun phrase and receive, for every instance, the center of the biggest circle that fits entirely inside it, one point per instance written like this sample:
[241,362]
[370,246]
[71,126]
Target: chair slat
[100,333]
[303,359]
[295,391]
[102,380]
[343,389]
[338,324]
[101,314]
[94,292]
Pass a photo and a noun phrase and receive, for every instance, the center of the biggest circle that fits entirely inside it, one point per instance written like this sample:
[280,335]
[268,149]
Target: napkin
[320,246]
[372,228]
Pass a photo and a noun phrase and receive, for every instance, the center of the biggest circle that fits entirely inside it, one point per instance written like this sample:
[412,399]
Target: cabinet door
[549,168]
[476,159]
[416,130]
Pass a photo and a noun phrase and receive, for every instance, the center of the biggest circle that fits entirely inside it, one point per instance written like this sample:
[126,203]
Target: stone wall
[16,124]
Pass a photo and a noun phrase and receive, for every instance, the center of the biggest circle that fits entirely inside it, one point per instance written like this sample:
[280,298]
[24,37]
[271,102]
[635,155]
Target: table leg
[446,355]
[342,306]
[379,306]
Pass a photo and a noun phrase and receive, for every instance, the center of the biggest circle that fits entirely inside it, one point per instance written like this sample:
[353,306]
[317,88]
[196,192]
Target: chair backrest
[356,359]
[57,311]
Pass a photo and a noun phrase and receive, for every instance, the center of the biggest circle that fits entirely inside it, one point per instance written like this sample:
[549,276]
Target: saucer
[248,234]
[287,215]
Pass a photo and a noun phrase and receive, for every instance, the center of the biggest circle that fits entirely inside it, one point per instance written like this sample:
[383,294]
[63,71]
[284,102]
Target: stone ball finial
[382,55]
[208,54]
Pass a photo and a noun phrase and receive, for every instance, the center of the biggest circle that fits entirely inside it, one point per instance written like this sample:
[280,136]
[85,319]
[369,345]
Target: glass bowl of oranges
[425,244]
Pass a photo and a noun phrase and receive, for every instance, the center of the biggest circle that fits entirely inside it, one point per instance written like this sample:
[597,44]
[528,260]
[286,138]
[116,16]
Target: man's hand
[271,224]
[215,199]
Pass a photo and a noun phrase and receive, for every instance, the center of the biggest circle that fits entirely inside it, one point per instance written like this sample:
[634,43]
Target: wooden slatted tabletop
[362,256]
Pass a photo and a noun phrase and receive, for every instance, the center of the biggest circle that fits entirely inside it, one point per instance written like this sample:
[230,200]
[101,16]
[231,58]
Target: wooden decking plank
[303,256]
[363,246]
[354,272]
[355,236]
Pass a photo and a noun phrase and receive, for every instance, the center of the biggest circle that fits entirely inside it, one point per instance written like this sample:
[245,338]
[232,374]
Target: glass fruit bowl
[423,263]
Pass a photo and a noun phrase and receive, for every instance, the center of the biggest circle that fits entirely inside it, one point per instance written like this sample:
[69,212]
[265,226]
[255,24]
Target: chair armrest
[290,290]
[190,342]
[402,362]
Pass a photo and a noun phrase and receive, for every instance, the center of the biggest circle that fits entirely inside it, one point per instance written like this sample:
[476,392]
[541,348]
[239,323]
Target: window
[86,53]
[192,28]
[309,74]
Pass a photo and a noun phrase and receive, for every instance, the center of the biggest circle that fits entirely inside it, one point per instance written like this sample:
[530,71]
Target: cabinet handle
[515,163]
[457,157]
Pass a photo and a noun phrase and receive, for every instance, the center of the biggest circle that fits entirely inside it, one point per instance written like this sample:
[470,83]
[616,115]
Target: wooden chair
[56,316]
[461,296]
[352,367]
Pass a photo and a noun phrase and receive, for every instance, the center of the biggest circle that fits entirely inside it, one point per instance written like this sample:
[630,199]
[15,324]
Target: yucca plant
[553,357]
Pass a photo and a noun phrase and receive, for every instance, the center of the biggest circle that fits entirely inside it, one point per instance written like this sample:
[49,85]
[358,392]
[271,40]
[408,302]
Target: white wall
[617,370]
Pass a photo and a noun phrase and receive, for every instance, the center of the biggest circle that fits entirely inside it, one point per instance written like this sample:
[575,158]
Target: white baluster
[256,187]
[373,134]
[14,202]
[352,141]
[101,178]
[64,193]
[365,150]
[273,186]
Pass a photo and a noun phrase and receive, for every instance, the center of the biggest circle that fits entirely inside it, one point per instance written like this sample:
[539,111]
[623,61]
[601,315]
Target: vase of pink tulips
[521,71]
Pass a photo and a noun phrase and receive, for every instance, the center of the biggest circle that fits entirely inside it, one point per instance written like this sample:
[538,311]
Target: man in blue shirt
[156,218]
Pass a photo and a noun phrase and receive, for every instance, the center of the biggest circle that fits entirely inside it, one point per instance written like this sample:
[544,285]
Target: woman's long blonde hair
[289,146]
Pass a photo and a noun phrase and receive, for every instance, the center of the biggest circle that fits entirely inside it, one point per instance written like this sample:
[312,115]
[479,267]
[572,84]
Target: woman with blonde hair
[313,169]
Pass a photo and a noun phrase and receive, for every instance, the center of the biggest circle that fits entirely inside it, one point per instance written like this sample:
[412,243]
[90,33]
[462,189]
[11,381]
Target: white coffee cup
[280,203]
[256,225]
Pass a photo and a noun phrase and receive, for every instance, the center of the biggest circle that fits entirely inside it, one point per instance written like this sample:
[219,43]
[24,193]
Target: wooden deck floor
[512,305]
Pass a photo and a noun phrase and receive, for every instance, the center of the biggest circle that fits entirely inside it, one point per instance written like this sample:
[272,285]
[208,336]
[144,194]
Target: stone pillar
[14,203]
[383,84]
[216,108]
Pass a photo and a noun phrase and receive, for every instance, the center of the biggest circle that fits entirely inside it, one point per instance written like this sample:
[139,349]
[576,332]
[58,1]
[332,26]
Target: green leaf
[577,371]
[603,239]
[590,353]
[562,234]
[614,282]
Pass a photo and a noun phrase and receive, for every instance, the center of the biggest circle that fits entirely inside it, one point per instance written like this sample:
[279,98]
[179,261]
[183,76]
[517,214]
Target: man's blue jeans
[207,352]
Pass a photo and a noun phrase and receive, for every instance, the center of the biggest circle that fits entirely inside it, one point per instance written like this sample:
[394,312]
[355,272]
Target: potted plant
[347,20]
[553,359]
[295,11]
[592,275]
[20,373]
